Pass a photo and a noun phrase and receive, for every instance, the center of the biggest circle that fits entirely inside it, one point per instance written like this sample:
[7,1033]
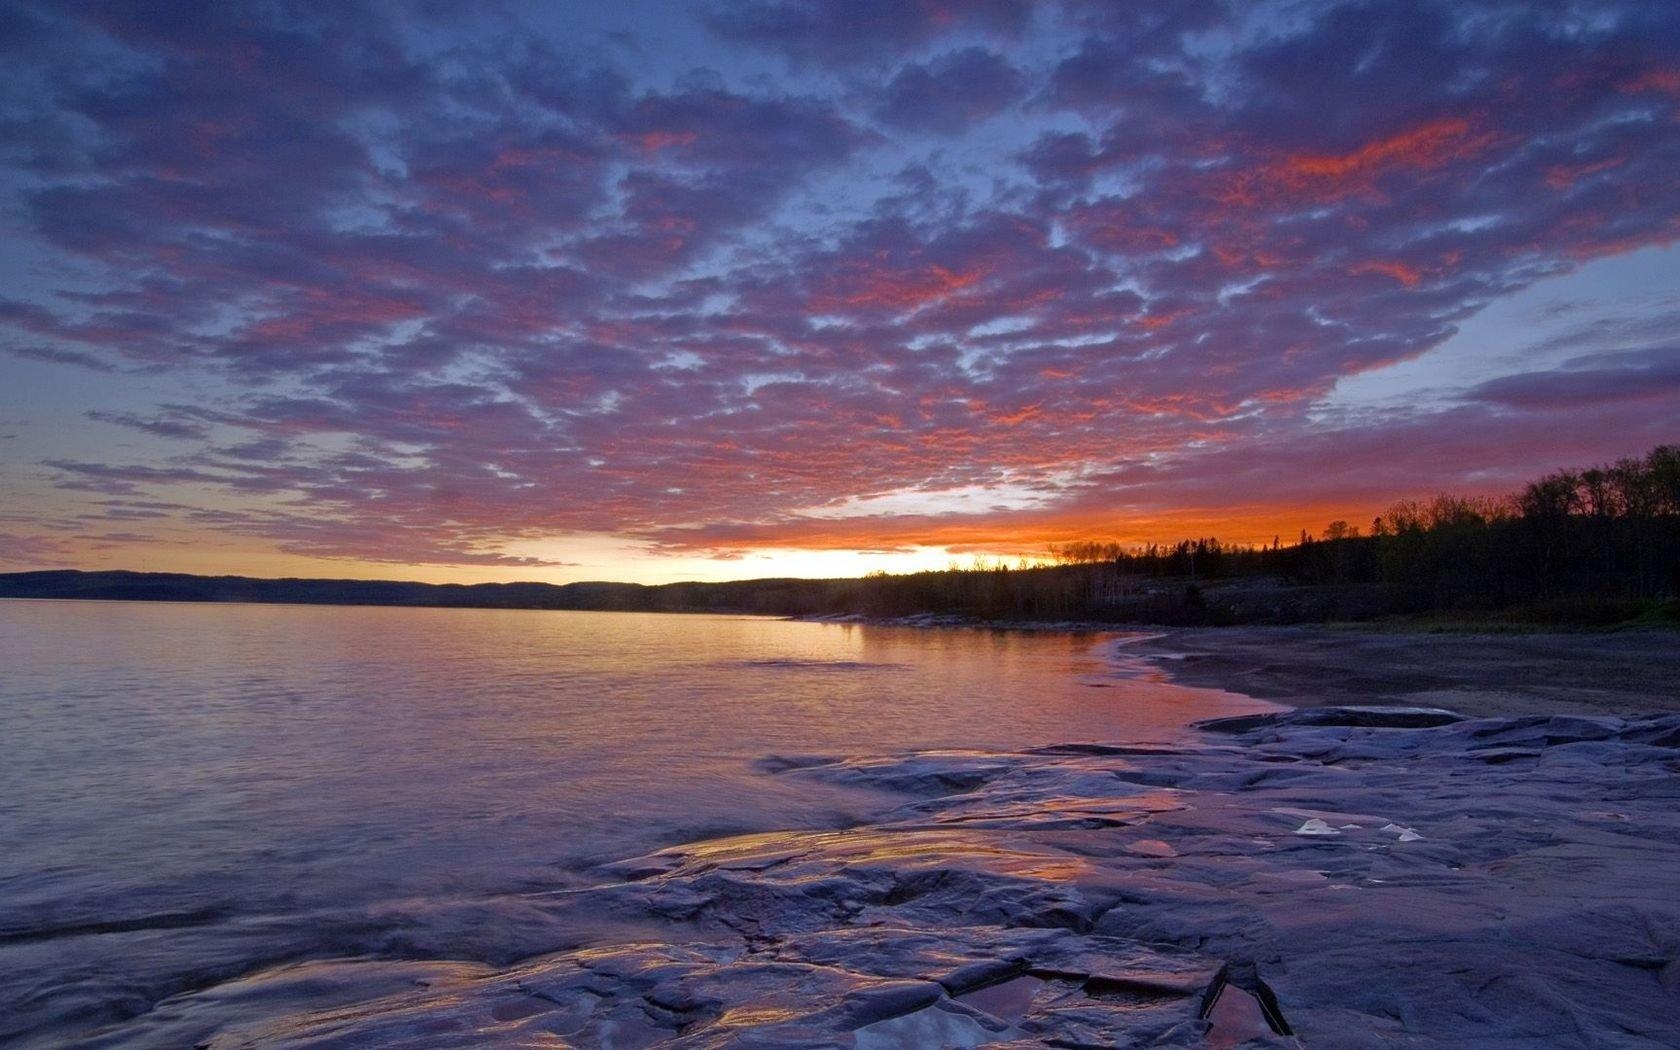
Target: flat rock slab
[1375,717]
[1394,877]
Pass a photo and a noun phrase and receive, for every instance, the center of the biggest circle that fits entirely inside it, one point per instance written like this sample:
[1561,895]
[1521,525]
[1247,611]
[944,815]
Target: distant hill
[784,597]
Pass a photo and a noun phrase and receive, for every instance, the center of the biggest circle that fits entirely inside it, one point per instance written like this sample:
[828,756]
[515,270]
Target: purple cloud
[951,92]
[859,32]
[1651,375]
[452,286]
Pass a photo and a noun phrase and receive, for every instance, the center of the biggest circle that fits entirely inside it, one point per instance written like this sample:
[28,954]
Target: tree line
[1600,543]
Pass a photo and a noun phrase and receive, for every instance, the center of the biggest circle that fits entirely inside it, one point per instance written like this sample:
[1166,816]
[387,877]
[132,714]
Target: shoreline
[1622,673]
[1353,875]
[1479,673]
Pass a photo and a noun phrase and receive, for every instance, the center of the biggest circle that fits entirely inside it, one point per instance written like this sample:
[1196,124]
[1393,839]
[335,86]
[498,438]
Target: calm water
[192,792]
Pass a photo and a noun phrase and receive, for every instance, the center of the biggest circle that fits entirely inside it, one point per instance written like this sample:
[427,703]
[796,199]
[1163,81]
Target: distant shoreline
[1044,598]
[753,597]
[259,603]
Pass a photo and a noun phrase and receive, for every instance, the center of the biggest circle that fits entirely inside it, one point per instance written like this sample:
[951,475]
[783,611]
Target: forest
[1593,545]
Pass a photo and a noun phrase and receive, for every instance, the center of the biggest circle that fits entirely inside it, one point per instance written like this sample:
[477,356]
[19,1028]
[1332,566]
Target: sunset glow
[653,292]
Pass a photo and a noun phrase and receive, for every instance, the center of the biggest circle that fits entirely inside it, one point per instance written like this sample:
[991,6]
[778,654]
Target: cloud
[159,426]
[449,287]
[860,32]
[951,92]
[1651,375]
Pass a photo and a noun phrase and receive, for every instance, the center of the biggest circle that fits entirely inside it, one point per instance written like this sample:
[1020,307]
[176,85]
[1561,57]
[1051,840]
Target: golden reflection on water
[280,774]
[412,742]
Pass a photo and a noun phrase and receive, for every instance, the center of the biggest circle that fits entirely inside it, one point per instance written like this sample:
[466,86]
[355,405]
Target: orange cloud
[1563,176]
[1015,419]
[1328,176]
[1027,533]
[1406,275]
[896,289]
[1426,146]
[1666,81]
[654,141]
[1156,322]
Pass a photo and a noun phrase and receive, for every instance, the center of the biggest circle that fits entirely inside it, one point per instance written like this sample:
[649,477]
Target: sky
[656,291]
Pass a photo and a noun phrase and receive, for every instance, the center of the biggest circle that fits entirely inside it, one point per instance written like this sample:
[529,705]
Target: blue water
[189,793]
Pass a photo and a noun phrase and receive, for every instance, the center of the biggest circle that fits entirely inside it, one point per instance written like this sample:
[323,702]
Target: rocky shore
[1347,877]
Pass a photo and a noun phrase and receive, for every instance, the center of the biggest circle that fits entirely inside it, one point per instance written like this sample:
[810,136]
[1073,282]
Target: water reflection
[185,787]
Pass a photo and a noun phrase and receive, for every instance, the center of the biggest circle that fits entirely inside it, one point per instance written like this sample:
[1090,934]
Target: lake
[189,793]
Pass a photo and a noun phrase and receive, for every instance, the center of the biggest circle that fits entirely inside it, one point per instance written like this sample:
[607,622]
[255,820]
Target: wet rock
[934,773]
[1362,717]
[1401,877]
[1374,717]
[884,999]
[942,1024]
[1008,999]
[1541,732]
[1315,826]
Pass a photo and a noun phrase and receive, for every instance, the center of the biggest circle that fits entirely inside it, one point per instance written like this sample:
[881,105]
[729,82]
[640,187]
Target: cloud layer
[454,287]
